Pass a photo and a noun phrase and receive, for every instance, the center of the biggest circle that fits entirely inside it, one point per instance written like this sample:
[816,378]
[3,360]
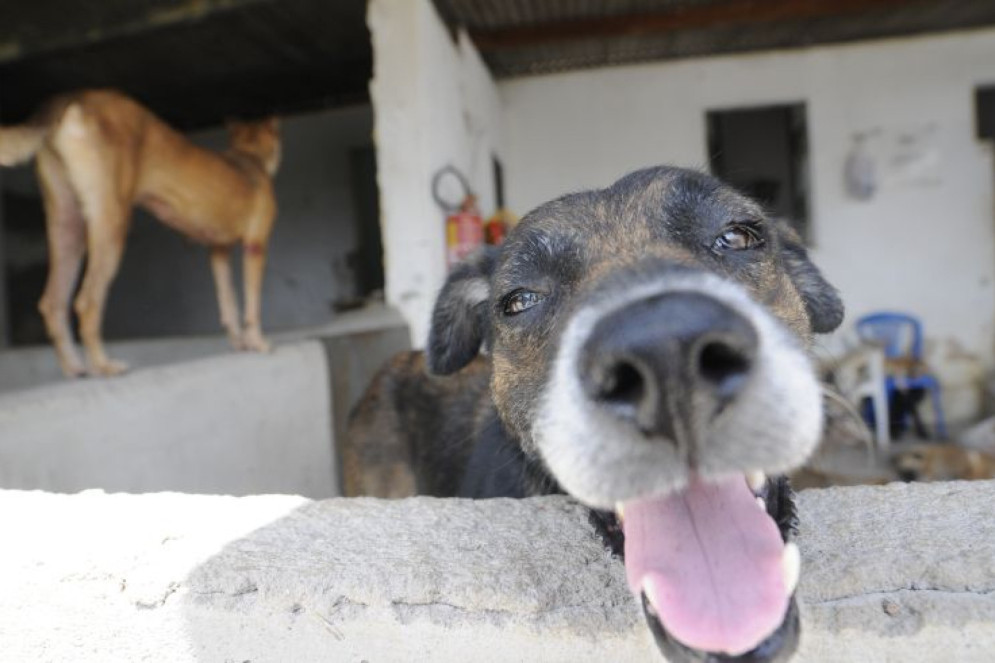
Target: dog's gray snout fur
[669,363]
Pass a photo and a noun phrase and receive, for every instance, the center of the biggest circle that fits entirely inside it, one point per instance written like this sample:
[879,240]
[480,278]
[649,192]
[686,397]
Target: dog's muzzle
[669,403]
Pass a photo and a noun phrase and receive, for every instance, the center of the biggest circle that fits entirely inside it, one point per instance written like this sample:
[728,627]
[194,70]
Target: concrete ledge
[31,367]
[235,423]
[232,423]
[889,573]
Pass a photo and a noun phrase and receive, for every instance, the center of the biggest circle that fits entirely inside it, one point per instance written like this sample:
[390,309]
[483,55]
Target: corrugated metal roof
[195,63]
[498,14]
[521,38]
[198,61]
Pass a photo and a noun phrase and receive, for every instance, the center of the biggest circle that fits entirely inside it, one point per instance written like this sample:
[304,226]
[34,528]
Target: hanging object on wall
[859,170]
[464,225]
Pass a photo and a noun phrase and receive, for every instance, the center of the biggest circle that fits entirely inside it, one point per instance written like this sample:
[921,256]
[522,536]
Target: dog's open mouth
[713,568]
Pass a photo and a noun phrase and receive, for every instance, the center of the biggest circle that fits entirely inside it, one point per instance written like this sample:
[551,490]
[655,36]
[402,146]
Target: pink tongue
[709,560]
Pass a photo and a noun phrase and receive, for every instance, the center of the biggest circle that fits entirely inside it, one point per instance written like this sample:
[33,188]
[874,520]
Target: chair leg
[882,421]
[915,396]
[880,398]
[941,425]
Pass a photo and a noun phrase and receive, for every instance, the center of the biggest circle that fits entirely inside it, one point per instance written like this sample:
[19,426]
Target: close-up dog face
[649,350]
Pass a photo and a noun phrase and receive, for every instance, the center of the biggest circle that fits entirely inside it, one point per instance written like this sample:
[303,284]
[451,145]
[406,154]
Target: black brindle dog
[644,350]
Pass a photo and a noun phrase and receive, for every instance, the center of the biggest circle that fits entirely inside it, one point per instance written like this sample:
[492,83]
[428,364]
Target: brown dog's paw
[254,341]
[109,368]
[236,341]
[73,369]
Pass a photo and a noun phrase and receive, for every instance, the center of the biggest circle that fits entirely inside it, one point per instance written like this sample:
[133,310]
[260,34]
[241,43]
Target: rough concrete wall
[903,572]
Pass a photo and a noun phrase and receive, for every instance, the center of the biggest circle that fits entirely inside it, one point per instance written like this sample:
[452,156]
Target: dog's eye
[738,238]
[520,300]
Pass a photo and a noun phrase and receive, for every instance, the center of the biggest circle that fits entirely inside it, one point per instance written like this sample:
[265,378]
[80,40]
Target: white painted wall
[435,104]
[924,248]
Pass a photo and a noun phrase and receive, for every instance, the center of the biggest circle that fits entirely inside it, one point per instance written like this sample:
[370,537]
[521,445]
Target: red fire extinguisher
[464,225]
[464,231]
[499,225]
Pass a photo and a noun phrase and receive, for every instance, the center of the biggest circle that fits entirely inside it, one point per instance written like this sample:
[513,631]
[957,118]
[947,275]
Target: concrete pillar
[435,104]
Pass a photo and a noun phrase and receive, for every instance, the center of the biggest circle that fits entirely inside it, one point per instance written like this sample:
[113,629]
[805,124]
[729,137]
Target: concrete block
[894,573]
[193,416]
[234,423]
[353,360]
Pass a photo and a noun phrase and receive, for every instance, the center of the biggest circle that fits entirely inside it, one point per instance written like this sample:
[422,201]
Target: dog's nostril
[723,365]
[622,384]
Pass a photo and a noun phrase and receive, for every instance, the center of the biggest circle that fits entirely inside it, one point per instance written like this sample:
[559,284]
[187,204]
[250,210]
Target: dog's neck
[250,162]
[520,474]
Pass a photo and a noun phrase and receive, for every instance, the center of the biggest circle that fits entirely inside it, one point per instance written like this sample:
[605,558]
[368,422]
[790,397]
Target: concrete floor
[25,368]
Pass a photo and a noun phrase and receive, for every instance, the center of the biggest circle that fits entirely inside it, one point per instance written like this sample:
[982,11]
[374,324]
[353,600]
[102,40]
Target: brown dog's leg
[66,245]
[107,228]
[227,302]
[252,272]
[105,246]
[103,180]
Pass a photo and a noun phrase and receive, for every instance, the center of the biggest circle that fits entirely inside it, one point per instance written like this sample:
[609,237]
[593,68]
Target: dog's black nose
[669,363]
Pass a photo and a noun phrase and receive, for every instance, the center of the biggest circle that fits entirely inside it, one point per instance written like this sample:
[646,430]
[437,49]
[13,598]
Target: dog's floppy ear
[460,323]
[822,301]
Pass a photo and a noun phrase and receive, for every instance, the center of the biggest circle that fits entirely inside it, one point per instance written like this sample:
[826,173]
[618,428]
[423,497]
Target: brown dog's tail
[19,143]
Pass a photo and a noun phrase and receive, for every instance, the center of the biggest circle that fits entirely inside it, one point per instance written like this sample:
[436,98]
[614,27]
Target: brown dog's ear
[822,301]
[460,320]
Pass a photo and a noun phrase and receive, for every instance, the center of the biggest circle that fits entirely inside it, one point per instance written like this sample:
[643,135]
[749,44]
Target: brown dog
[943,462]
[99,153]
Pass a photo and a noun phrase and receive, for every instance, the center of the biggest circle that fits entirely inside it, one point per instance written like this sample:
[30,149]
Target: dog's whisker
[864,434]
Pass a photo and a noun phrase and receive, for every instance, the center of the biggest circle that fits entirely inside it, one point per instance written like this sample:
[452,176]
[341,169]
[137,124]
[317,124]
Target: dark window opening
[984,111]
[25,261]
[763,152]
[367,260]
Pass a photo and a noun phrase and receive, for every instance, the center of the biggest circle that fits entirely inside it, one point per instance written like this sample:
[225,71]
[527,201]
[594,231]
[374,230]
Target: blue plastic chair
[900,335]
